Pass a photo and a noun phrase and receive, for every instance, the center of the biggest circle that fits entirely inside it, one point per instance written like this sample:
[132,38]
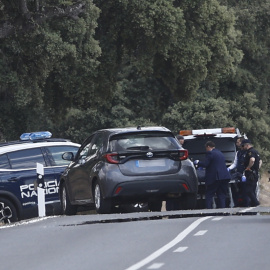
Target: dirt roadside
[265,190]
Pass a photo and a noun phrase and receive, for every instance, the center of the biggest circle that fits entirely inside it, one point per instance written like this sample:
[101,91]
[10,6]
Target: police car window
[56,153]
[27,158]
[4,163]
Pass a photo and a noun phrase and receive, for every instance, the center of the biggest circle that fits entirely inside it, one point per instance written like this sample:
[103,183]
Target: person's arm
[251,163]
[234,162]
[207,160]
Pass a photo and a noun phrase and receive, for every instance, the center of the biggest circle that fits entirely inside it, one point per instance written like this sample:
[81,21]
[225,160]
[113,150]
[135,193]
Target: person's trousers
[219,188]
[250,196]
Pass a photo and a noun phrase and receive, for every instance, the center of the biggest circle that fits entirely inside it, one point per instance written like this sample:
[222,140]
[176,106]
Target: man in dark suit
[216,175]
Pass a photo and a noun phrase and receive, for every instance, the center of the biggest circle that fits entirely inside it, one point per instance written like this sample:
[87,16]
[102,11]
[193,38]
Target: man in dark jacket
[216,175]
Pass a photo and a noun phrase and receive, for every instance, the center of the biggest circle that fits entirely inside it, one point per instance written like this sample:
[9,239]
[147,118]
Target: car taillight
[112,158]
[183,154]
[186,187]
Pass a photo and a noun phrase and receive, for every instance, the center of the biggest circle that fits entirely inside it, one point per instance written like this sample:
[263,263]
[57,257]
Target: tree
[219,112]
[25,15]
[252,19]
[46,71]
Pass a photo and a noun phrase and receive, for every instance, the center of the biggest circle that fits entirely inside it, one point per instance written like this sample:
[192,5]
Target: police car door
[20,179]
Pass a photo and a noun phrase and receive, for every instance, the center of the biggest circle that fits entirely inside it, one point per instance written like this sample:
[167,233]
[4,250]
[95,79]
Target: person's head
[239,142]
[209,146]
[246,144]
[181,139]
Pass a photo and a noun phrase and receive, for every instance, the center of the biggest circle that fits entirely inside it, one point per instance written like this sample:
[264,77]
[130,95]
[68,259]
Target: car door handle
[13,179]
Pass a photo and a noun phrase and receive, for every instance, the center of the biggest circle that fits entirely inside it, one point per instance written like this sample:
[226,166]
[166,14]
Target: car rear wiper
[142,148]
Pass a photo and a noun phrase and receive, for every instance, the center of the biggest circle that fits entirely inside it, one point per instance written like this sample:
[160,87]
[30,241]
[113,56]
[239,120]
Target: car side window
[83,152]
[56,153]
[4,163]
[26,159]
[96,145]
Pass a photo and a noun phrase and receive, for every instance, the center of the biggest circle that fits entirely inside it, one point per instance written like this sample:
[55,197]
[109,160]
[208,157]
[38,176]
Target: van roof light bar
[230,130]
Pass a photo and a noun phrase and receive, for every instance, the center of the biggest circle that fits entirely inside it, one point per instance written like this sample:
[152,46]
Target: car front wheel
[66,207]
[103,206]
[8,211]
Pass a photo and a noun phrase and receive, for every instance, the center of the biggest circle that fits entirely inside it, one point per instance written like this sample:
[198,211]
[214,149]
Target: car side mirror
[68,156]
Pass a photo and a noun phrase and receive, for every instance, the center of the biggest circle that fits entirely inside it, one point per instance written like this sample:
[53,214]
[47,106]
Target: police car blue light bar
[35,136]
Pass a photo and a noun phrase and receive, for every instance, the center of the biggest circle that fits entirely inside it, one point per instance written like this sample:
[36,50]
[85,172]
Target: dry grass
[265,190]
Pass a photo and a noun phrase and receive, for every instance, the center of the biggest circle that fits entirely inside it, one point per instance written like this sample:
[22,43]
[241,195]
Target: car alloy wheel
[66,207]
[8,211]
[97,196]
[103,206]
[64,199]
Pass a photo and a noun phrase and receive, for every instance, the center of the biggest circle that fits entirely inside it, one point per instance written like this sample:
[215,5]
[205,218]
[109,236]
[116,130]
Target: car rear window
[143,141]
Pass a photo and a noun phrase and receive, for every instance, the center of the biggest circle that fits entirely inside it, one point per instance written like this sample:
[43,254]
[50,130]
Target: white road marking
[181,249]
[217,218]
[19,223]
[171,244]
[247,209]
[199,233]
[155,266]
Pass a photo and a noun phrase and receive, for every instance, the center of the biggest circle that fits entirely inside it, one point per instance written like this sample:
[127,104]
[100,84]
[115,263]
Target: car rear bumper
[144,190]
[120,187]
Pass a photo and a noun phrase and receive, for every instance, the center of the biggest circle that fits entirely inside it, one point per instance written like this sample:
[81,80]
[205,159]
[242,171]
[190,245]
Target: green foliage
[178,63]
[46,71]
[202,113]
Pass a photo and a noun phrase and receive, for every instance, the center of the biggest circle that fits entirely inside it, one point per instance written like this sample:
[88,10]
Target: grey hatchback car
[114,167]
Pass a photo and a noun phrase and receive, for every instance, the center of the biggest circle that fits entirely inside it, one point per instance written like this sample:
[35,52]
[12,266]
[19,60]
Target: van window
[196,147]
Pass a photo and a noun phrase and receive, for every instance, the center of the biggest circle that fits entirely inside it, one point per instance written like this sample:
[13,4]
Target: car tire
[155,205]
[8,212]
[66,207]
[188,201]
[103,206]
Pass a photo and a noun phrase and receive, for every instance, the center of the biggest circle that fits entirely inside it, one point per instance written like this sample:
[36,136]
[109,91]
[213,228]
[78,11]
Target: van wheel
[188,201]
[103,206]
[155,205]
[8,212]
[66,207]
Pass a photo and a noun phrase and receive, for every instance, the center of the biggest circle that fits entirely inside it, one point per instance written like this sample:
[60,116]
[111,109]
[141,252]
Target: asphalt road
[202,239]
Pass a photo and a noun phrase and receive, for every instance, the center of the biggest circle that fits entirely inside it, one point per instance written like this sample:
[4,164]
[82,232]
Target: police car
[18,174]
[224,139]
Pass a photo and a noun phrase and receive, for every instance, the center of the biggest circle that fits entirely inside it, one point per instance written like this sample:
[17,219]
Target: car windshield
[143,141]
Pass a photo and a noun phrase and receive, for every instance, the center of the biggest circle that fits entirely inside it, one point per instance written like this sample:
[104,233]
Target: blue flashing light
[25,137]
[36,135]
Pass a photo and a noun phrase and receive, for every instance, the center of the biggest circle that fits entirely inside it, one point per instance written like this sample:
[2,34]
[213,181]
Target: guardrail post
[40,190]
